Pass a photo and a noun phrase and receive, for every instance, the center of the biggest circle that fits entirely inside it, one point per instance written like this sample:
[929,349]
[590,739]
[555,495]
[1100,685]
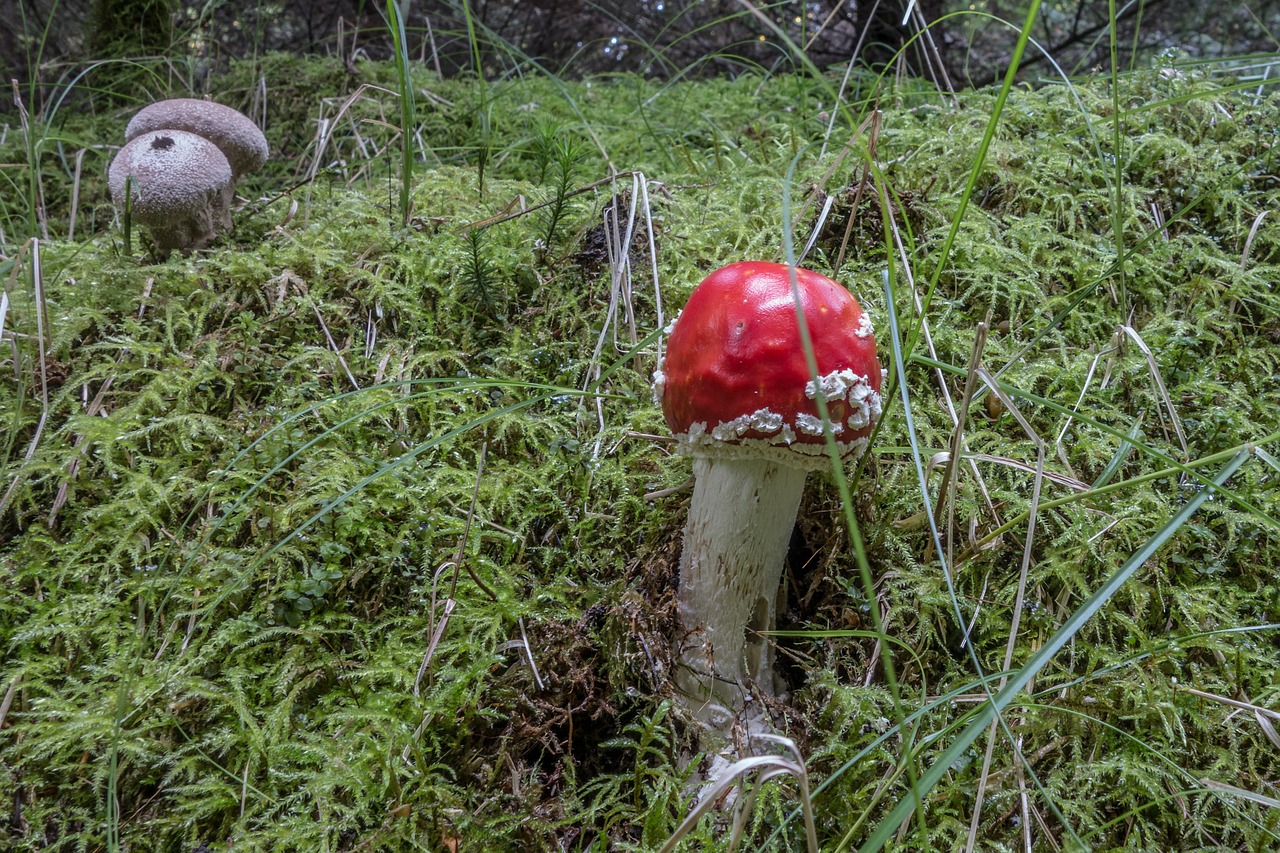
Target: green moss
[228,575]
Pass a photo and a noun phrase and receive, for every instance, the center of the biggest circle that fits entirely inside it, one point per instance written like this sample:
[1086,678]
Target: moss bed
[247,604]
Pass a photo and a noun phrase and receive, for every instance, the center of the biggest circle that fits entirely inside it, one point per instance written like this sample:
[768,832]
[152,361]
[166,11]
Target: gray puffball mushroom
[239,138]
[180,182]
[233,132]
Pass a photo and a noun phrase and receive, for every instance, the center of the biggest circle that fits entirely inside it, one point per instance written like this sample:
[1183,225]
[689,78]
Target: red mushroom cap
[735,380]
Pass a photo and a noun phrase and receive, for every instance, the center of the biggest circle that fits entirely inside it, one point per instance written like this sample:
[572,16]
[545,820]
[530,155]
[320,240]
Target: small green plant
[557,158]
[303,596]
[479,275]
[651,742]
[546,139]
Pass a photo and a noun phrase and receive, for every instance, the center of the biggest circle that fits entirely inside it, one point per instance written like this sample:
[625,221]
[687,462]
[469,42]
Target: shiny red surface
[736,347]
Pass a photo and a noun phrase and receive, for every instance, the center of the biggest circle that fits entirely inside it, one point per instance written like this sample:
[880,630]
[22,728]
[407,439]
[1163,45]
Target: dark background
[52,42]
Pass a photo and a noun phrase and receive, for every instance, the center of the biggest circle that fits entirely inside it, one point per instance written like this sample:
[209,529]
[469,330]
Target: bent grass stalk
[842,484]
[992,710]
[766,767]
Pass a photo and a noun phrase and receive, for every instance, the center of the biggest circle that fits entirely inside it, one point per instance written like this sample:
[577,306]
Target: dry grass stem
[528,651]
[32,249]
[1016,619]
[334,347]
[767,767]
[7,702]
[1253,232]
[946,489]
[871,127]
[1160,386]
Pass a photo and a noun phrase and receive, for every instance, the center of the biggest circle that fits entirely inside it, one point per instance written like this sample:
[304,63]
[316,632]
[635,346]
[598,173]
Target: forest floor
[358,531]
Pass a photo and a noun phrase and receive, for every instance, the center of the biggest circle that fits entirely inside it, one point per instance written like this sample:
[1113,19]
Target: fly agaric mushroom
[179,183]
[239,139]
[737,391]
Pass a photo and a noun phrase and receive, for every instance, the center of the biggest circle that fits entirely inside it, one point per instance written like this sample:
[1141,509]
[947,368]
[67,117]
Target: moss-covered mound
[352,534]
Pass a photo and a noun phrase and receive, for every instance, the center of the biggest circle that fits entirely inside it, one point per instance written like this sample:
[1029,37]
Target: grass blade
[1018,680]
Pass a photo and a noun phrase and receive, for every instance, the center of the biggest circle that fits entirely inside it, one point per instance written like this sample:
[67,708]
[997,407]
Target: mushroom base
[735,544]
[187,233]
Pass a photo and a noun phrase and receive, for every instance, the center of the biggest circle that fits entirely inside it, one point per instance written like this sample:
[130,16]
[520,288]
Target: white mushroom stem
[735,544]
